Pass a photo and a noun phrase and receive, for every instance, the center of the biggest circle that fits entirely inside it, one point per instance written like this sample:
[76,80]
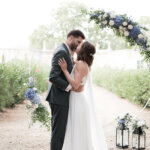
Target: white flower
[130,27]
[35,106]
[126,33]
[148,49]
[104,22]
[28,102]
[124,23]
[140,36]
[148,43]
[120,27]
[140,123]
[112,16]
[99,17]
[105,15]
[122,116]
[35,89]
[111,23]
[25,84]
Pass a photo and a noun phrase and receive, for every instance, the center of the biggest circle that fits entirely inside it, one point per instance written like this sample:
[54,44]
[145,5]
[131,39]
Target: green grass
[133,85]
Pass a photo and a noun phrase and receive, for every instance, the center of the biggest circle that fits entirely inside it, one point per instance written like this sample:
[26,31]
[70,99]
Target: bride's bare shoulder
[81,65]
[80,62]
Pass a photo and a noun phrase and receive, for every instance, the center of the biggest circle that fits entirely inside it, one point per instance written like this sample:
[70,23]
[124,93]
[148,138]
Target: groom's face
[75,42]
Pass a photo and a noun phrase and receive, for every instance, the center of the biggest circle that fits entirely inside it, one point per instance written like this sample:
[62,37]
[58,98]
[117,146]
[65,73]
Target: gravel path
[15,134]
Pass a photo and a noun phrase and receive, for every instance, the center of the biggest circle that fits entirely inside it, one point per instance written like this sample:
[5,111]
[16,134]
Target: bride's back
[84,67]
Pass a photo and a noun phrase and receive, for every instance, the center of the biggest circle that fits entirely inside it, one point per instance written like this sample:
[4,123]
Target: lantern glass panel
[125,137]
[142,141]
[139,141]
[122,139]
[119,139]
[135,141]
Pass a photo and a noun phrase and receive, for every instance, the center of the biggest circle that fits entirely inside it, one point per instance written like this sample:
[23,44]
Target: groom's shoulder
[60,49]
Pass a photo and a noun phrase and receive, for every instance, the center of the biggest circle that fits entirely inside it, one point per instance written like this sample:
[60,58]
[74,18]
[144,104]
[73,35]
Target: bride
[83,132]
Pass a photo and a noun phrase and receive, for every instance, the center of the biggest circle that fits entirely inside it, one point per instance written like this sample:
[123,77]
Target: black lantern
[122,136]
[138,139]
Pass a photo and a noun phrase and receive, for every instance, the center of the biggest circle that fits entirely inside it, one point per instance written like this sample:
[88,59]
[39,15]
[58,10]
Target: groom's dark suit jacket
[58,82]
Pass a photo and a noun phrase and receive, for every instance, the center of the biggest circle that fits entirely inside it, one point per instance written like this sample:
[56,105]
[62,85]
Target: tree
[38,36]
[67,17]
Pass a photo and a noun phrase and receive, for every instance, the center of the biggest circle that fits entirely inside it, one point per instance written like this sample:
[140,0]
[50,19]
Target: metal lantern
[122,136]
[138,139]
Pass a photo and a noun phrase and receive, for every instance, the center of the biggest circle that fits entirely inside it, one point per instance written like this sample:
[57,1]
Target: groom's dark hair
[76,33]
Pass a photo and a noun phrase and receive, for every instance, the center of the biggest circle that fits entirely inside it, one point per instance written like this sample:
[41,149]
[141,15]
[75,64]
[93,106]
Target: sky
[19,18]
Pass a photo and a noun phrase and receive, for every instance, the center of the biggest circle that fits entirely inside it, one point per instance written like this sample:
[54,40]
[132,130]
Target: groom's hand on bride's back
[80,89]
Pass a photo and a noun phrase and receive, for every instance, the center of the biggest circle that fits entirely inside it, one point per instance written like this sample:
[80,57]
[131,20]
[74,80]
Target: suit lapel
[66,48]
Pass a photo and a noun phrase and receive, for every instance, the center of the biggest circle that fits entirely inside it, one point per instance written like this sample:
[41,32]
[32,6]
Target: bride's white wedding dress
[84,131]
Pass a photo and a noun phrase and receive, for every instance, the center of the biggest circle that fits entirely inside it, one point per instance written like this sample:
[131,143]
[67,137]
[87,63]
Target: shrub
[14,81]
[131,84]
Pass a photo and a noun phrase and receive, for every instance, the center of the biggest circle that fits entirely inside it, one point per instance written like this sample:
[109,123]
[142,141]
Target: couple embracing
[70,96]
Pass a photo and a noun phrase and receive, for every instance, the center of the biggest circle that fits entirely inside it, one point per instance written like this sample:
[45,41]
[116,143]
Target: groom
[59,90]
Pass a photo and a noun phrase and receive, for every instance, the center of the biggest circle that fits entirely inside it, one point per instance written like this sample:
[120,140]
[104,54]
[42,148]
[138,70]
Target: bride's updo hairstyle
[86,53]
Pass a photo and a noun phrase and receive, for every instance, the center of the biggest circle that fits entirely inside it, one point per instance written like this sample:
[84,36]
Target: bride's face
[79,48]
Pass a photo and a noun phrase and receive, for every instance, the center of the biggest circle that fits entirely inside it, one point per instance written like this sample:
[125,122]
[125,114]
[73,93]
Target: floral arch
[123,26]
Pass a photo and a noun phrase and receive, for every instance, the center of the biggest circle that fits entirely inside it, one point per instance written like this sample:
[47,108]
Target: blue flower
[36,99]
[29,94]
[121,121]
[31,82]
[141,41]
[118,21]
[134,32]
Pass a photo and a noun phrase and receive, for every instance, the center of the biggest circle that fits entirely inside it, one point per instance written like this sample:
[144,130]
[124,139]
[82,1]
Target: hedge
[133,85]
[14,77]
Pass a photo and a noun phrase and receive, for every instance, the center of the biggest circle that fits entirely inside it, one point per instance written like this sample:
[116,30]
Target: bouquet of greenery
[124,120]
[139,125]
